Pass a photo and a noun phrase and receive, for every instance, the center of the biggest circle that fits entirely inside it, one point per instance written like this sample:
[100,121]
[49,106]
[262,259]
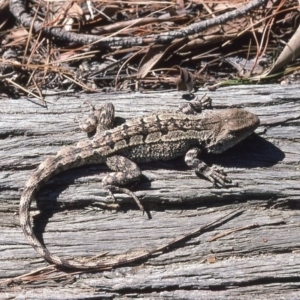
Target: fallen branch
[18,9]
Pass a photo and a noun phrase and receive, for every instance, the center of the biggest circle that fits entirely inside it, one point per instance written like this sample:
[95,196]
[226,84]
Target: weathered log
[71,220]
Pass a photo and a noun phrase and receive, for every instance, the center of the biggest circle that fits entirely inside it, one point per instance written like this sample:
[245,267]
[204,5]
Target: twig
[197,231]
[233,230]
[40,274]
[18,9]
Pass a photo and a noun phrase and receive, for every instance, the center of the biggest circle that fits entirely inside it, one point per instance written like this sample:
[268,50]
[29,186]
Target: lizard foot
[217,176]
[196,106]
[115,189]
[204,102]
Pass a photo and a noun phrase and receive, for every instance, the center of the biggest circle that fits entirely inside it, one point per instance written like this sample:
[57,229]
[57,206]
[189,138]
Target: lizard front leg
[214,175]
[126,172]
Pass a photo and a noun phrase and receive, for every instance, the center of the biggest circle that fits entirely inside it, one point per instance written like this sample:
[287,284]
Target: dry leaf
[290,52]
[150,59]
[154,55]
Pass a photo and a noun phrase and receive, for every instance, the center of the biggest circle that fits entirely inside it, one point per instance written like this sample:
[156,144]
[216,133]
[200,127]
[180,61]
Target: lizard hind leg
[99,119]
[196,106]
[127,172]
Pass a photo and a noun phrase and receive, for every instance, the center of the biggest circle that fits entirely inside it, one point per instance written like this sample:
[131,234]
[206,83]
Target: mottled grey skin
[161,135]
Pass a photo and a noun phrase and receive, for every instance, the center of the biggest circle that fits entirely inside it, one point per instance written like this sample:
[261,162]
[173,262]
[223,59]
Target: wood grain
[264,260]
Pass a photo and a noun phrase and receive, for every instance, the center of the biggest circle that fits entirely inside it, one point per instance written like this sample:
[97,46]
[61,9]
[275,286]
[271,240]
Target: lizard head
[235,125]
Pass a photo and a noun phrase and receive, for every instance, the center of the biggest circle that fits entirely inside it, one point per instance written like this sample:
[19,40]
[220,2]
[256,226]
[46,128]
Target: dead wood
[133,45]
[18,9]
[262,258]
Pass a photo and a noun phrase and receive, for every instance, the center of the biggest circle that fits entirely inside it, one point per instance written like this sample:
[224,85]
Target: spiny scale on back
[159,135]
[157,127]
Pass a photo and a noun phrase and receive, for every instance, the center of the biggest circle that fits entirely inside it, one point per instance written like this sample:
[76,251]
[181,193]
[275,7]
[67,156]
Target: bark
[70,219]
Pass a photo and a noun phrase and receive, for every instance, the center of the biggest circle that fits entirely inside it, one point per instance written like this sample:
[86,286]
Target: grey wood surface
[70,218]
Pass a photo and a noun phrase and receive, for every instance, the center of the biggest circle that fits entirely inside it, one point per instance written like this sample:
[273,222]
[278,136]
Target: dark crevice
[19,167]
[13,133]
[269,280]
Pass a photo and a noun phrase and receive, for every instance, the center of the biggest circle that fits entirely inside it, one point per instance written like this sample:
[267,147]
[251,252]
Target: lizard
[160,135]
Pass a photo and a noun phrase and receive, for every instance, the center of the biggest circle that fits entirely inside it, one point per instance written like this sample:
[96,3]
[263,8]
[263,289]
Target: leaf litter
[70,46]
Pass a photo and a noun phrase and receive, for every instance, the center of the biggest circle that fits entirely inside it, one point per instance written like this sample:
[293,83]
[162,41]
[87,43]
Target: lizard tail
[66,159]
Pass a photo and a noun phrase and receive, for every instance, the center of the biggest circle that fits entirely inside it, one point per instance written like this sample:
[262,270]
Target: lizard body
[161,135]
